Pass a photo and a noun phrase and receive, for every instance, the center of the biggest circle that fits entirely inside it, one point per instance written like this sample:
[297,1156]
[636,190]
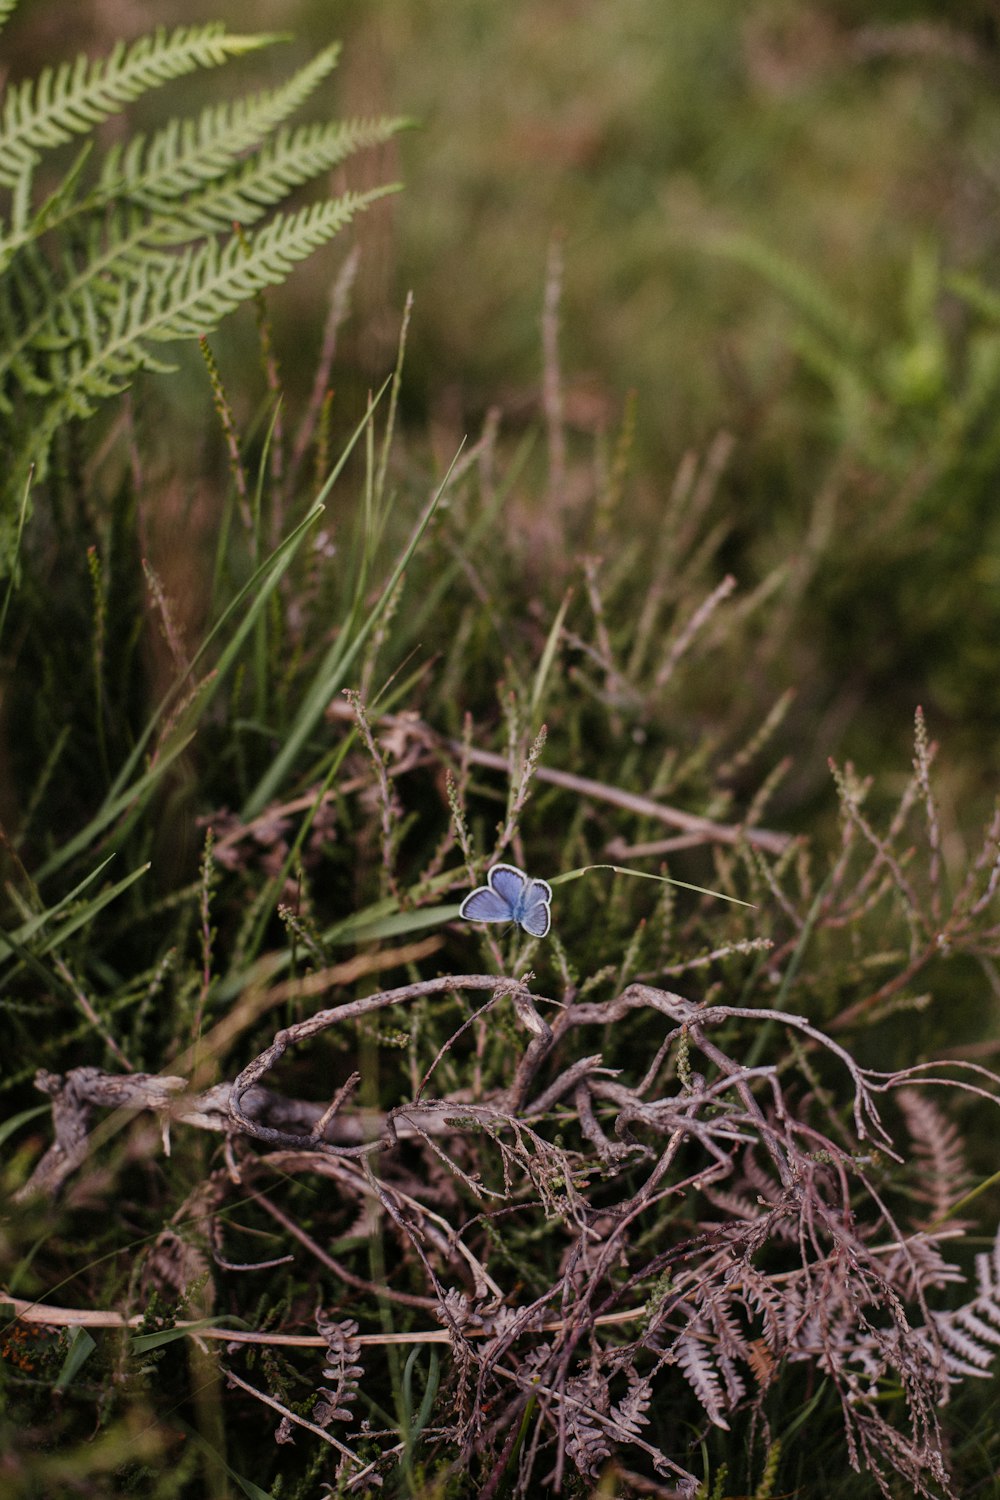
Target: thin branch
[290,1416]
[644,807]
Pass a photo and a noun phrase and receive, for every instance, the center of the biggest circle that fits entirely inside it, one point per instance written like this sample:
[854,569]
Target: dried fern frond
[342,1368]
[970,1335]
[938,1151]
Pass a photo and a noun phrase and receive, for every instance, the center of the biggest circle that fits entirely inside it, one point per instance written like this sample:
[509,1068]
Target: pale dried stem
[705,829]
[805,1184]
[337,310]
[552,393]
[49,1315]
[319,1432]
[348,1277]
[692,629]
[388,802]
[77,991]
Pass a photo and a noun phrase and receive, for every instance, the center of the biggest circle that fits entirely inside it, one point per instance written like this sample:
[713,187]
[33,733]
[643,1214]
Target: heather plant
[645,1201]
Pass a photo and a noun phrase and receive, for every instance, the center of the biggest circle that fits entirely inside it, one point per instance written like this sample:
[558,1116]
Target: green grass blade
[548,657]
[141,1343]
[333,672]
[15,553]
[89,912]
[426,607]
[759,1043]
[29,928]
[81,1347]
[364,928]
[702,890]
[430,1394]
[382,919]
[806,293]
[10,946]
[260,585]
[295,849]
[267,577]
[113,807]
[251,1490]
[11,1126]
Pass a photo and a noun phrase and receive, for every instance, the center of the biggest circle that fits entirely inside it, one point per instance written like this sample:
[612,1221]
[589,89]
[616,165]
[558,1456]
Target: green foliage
[910,439]
[854,140]
[99,266]
[252,761]
[183,963]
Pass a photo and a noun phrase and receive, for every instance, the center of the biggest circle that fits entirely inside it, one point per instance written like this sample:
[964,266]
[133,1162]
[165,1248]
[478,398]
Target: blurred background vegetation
[777,219]
[778,224]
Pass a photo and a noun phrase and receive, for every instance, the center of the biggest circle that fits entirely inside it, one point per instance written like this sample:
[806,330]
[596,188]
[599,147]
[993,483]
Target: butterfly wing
[509,882]
[534,914]
[486,905]
[510,897]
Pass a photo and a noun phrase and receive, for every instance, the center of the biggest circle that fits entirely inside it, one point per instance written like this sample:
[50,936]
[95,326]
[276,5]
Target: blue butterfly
[510,897]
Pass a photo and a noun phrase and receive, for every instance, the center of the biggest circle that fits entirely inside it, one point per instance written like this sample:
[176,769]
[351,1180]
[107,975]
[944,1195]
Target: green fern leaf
[100,345]
[110,266]
[293,157]
[186,154]
[210,282]
[805,293]
[71,99]
[179,159]
[7,9]
[119,242]
[977,296]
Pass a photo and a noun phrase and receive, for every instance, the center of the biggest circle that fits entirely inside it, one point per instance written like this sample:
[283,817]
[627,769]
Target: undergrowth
[332,1192]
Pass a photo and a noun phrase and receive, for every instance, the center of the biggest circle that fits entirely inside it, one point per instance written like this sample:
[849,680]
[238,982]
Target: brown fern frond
[762,1362]
[342,1367]
[692,1352]
[970,1335]
[938,1150]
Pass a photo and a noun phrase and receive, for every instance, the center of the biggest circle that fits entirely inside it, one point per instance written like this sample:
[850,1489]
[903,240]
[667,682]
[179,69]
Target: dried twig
[706,829]
[711,1129]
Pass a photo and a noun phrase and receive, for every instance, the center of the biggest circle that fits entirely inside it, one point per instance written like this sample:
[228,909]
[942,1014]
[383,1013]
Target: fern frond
[970,1335]
[119,244]
[343,1367]
[7,9]
[988,1275]
[918,1266]
[938,1149]
[208,282]
[760,1296]
[586,1439]
[101,343]
[188,153]
[964,1354]
[174,163]
[293,157]
[71,99]
[115,262]
[630,1413]
[695,1359]
[732,1345]
[978,1328]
